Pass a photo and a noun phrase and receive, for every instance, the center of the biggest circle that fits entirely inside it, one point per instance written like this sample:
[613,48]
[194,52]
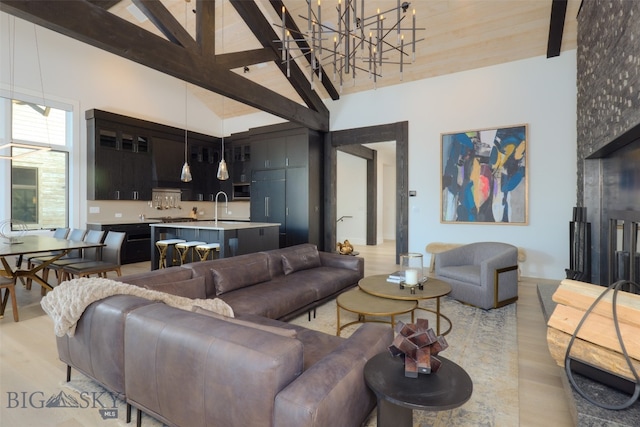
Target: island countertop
[234,237]
[220,225]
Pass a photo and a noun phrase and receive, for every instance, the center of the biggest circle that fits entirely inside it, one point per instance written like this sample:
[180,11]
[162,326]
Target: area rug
[484,343]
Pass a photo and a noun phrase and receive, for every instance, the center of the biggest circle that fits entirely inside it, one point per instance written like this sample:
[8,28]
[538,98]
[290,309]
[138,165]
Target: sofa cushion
[191,288]
[229,275]
[304,258]
[316,344]
[463,273]
[274,299]
[291,333]
[275,257]
[193,370]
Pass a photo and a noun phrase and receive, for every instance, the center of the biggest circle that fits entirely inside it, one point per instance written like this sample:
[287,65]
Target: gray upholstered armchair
[483,274]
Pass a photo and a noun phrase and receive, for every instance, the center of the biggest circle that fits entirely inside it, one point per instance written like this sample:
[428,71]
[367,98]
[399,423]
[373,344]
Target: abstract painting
[484,176]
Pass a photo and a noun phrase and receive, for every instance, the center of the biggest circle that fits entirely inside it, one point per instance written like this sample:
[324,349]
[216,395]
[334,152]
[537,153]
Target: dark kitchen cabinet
[119,162]
[128,157]
[286,184]
[137,241]
[259,239]
[241,158]
[268,202]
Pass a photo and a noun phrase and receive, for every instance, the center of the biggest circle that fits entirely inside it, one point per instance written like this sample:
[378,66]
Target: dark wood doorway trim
[398,132]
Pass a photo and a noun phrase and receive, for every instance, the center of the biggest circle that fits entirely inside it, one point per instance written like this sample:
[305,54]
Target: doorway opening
[352,140]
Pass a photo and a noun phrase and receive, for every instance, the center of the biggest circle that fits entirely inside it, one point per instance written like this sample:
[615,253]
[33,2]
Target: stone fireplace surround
[608,120]
[608,153]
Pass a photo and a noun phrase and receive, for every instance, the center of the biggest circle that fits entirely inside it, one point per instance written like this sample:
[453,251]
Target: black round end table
[398,395]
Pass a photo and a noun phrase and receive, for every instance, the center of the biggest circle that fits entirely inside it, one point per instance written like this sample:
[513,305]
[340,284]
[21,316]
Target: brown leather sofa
[201,369]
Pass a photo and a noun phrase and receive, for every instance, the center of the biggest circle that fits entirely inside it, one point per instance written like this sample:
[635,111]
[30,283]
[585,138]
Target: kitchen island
[235,237]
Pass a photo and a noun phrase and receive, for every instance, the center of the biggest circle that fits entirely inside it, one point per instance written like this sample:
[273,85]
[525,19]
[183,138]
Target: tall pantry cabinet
[286,181]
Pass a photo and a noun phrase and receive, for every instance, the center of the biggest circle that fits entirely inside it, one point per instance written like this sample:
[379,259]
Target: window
[39,179]
[24,191]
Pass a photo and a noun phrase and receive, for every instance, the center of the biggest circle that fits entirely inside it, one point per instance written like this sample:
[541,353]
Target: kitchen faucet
[226,204]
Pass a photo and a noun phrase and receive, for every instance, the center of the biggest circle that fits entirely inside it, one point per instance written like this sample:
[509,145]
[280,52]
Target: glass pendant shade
[185,175]
[223,172]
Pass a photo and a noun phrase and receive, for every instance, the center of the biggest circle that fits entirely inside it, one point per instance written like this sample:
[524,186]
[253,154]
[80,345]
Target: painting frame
[484,176]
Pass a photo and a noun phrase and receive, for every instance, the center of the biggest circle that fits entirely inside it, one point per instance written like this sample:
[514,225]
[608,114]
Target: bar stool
[186,247]
[206,249]
[9,286]
[163,248]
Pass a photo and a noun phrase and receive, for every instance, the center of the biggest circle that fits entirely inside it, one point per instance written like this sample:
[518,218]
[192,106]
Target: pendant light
[223,172]
[185,175]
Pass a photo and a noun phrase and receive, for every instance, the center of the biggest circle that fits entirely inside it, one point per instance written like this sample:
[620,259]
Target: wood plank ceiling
[228,46]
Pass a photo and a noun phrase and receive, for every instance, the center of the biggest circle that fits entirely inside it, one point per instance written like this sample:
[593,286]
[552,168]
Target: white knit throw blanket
[66,303]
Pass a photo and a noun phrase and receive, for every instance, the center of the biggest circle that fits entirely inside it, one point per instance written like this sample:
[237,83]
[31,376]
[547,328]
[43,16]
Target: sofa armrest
[333,391]
[502,260]
[355,263]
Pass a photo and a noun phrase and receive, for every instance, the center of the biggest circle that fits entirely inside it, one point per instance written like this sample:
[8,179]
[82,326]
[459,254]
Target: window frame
[69,149]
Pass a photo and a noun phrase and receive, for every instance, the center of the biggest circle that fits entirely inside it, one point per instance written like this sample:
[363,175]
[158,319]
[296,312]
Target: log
[596,329]
[581,295]
[604,358]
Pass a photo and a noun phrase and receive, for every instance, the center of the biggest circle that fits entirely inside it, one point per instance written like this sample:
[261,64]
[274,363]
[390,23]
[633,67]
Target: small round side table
[398,395]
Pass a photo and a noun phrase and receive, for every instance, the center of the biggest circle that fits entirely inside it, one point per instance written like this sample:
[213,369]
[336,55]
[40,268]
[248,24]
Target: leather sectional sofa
[197,368]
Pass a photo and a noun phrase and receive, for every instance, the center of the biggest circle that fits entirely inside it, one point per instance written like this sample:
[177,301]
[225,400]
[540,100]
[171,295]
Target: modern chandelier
[357,42]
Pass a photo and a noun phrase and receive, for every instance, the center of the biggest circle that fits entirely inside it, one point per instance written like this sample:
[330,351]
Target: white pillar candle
[411,276]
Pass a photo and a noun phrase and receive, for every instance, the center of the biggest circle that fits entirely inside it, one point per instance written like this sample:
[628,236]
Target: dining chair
[88,255]
[58,233]
[9,286]
[76,235]
[110,261]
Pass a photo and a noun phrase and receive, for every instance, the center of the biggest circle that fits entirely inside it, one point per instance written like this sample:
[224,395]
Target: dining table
[34,245]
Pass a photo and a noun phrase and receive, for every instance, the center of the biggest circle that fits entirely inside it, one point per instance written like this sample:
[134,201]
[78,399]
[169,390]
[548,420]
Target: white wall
[351,198]
[539,92]
[86,77]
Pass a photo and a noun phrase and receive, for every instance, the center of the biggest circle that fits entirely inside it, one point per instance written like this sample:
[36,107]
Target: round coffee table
[398,395]
[432,289]
[364,304]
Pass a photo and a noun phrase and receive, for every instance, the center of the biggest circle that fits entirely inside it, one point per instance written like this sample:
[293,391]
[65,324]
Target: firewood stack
[596,343]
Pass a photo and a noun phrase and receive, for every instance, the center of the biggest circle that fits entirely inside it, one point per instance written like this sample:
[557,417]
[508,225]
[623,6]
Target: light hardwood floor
[29,362]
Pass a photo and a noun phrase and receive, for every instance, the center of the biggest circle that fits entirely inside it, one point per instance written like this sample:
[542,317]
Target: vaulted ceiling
[227,47]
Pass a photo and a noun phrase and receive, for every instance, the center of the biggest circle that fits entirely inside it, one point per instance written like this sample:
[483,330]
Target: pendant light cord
[222,49]
[44,102]
[186,105]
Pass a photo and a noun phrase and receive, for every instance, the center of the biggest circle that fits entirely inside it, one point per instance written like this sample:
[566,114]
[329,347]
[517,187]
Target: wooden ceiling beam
[556,27]
[245,58]
[105,4]
[166,23]
[261,28]
[302,44]
[206,27]
[88,23]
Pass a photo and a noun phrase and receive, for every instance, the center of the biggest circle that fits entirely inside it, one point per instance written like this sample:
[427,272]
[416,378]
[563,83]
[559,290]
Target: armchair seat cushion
[483,274]
[464,273]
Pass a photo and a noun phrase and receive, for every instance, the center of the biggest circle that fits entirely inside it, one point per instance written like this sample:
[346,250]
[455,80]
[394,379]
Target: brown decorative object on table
[419,345]
[345,248]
